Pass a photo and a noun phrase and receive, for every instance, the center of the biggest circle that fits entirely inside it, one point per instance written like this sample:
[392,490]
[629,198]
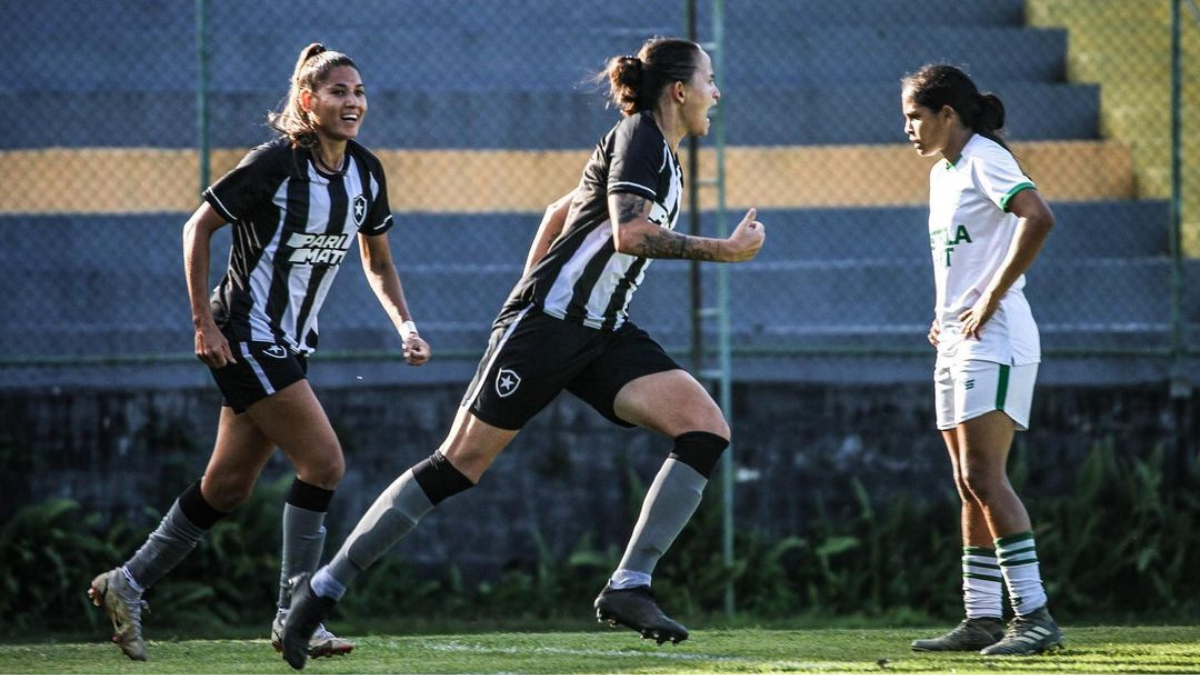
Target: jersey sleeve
[234,195]
[379,220]
[999,176]
[636,160]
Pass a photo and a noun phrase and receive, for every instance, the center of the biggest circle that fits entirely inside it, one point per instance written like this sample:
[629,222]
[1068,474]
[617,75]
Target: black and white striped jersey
[583,278]
[292,226]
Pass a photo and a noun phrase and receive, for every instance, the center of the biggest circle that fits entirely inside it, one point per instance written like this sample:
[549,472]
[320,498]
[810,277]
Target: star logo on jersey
[275,352]
[360,209]
[507,382]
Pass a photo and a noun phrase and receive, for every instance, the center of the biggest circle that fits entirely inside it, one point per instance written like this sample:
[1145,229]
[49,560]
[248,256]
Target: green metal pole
[202,91]
[694,180]
[1181,388]
[723,340]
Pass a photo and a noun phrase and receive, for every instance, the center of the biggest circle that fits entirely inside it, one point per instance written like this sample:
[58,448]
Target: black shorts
[532,357]
[262,369]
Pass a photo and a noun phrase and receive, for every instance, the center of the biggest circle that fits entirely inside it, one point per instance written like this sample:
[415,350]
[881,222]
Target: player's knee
[325,471]
[226,494]
[981,484]
[700,450]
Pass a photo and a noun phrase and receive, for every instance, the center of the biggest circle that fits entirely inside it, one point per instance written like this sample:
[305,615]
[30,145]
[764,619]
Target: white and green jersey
[970,233]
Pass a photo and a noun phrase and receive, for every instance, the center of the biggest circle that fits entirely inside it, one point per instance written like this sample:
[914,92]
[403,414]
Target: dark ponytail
[938,85]
[637,82]
[312,67]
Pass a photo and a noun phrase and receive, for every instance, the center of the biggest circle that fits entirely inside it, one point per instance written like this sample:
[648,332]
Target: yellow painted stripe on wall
[141,180]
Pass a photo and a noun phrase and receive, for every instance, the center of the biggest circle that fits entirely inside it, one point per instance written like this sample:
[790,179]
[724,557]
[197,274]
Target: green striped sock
[1019,565]
[983,587]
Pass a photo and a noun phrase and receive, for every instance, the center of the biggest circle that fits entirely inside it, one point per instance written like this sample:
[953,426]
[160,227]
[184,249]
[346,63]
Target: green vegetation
[1119,543]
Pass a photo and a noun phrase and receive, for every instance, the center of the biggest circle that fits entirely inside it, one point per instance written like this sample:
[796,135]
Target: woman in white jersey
[297,203]
[987,223]
[565,327]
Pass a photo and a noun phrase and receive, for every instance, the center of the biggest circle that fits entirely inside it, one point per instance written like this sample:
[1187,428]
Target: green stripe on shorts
[1002,388]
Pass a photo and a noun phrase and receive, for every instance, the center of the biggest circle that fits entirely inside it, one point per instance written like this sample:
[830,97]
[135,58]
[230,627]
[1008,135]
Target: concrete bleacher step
[518,120]
[872,278]
[482,59]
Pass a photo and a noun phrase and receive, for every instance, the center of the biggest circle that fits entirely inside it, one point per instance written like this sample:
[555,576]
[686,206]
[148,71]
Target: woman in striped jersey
[565,327]
[987,223]
[297,204]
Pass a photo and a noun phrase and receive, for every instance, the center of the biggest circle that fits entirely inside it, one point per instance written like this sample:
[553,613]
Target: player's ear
[306,100]
[679,91]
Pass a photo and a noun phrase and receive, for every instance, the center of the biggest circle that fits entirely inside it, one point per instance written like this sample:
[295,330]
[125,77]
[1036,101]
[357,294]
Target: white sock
[1019,565]
[983,586]
[324,585]
[623,578]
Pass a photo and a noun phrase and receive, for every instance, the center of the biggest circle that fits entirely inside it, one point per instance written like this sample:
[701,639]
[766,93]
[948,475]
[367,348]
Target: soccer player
[987,223]
[565,327]
[297,204]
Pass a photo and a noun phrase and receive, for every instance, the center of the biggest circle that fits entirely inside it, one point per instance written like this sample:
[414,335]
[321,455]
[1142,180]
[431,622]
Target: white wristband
[407,330]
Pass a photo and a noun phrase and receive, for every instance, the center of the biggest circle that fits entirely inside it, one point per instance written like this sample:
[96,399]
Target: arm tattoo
[661,242]
[629,207]
[668,244]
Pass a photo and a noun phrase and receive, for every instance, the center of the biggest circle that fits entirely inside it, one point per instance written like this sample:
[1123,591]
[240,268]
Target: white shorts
[966,390]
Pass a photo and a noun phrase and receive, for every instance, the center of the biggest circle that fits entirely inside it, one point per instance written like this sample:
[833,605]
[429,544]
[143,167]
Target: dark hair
[937,85]
[312,68]
[637,82]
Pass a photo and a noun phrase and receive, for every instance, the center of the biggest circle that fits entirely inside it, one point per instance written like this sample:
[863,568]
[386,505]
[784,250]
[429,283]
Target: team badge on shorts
[275,352]
[507,382]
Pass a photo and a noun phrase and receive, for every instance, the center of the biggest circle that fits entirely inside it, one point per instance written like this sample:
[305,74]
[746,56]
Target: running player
[987,223]
[565,327]
[297,204]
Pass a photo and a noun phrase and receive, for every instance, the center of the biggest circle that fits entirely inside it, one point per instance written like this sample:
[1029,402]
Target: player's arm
[552,225]
[1034,223]
[381,274]
[210,345]
[635,234]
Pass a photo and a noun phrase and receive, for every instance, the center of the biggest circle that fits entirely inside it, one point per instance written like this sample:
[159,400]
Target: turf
[1097,649]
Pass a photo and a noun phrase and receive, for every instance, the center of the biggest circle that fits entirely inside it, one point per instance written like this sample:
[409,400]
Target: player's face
[701,94]
[927,129]
[339,104]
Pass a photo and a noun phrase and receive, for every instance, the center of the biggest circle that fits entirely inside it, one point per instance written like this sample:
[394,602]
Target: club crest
[507,382]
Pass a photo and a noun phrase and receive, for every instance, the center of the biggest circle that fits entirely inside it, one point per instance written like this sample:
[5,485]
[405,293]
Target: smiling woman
[297,204]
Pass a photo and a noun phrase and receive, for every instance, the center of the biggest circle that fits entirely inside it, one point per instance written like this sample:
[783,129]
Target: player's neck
[330,155]
[671,126]
[955,142]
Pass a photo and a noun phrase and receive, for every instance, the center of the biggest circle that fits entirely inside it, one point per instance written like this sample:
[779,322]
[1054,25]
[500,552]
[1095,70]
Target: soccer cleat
[636,608]
[969,636]
[111,590]
[1033,633]
[323,643]
[306,615]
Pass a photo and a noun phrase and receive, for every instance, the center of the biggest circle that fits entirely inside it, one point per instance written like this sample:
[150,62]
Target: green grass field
[1098,649]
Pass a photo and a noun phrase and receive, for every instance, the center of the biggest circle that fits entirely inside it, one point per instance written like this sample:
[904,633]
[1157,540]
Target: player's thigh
[472,444]
[672,403]
[294,420]
[634,382]
[240,452]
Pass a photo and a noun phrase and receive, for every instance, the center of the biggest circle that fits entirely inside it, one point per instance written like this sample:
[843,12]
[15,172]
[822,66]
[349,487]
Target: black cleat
[969,636]
[636,608]
[1034,633]
[306,615]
